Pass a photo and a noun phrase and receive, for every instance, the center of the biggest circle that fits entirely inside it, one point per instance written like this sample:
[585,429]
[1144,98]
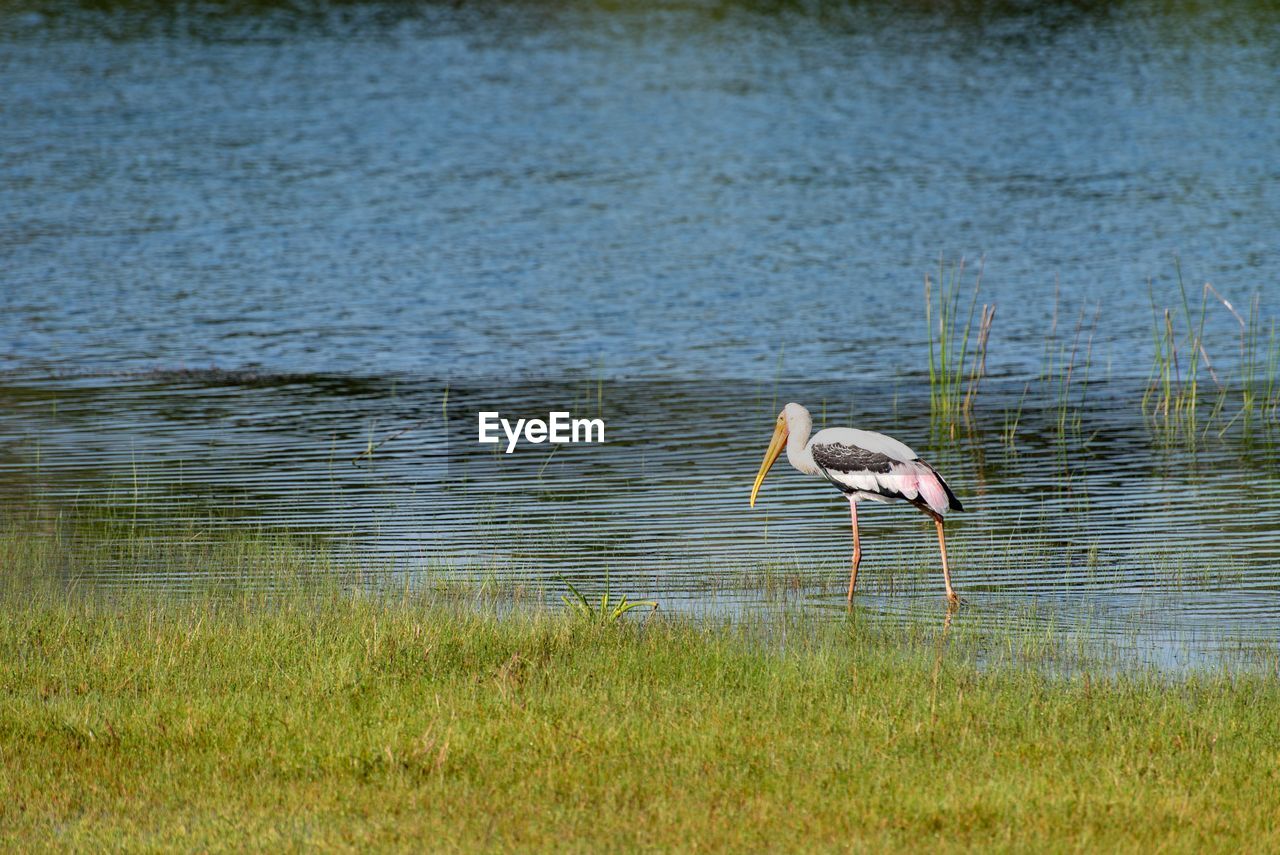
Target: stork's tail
[952,499]
[936,492]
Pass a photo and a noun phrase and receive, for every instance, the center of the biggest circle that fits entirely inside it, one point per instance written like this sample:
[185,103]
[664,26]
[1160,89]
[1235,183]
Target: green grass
[1178,401]
[321,715]
[1187,396]
[955,371]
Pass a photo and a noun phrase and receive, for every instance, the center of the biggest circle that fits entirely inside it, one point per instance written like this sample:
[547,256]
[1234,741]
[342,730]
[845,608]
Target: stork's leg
[952,598]
[857,550]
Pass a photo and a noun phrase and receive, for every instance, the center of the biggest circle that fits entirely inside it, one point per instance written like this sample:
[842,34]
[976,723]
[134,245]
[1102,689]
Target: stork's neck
[799,425]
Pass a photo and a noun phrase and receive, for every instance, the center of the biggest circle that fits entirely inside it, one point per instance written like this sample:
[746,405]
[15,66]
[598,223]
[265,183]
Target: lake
[242,244]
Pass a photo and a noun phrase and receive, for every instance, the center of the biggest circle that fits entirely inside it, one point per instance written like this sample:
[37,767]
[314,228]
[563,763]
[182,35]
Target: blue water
[678,190]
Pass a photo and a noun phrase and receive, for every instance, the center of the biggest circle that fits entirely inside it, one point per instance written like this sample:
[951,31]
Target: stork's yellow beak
[776,445]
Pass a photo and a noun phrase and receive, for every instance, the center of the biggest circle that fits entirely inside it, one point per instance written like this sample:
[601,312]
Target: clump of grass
[955,372]
[1177,400]
[610,609]
[1259,365]
[1171,398]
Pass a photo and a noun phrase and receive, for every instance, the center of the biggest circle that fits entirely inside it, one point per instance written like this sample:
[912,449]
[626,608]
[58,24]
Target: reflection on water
[1101,530]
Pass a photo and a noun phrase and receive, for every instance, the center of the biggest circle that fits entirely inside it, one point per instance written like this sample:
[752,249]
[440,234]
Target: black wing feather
[850,458]
[838,457]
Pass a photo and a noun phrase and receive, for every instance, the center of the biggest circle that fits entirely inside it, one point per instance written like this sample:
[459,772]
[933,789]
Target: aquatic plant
[954,372]
[608,610]
[1013,418]
[1259,359]
[1066,369]
[1175,400]
[1171,399]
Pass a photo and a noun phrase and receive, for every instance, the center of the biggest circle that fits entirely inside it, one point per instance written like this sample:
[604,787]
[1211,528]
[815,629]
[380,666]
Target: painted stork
[862,465]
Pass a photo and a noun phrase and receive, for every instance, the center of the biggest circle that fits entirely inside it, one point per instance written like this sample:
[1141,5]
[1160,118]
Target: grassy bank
[322,717]
[346,721]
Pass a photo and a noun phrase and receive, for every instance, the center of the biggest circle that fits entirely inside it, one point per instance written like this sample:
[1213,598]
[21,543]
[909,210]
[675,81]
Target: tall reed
[1175,400]
[955,372]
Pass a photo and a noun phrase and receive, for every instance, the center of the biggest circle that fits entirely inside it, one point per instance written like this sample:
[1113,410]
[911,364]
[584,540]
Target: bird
[862,464]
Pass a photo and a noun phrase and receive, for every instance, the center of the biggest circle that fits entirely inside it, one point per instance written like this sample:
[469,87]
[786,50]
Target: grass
[610,609]
[1186,396]
[955,372]
[1169,398]
[1065,373]
[1178,401]
[1061,386]
[332,716]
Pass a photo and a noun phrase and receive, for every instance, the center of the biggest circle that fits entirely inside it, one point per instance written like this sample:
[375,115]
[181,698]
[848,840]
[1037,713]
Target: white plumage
[863,465]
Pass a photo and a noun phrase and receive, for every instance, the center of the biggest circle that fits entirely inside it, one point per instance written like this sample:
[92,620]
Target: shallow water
[1099,530]
[240,243]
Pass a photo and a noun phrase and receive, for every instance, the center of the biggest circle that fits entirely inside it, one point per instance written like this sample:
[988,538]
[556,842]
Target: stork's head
[792,416]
